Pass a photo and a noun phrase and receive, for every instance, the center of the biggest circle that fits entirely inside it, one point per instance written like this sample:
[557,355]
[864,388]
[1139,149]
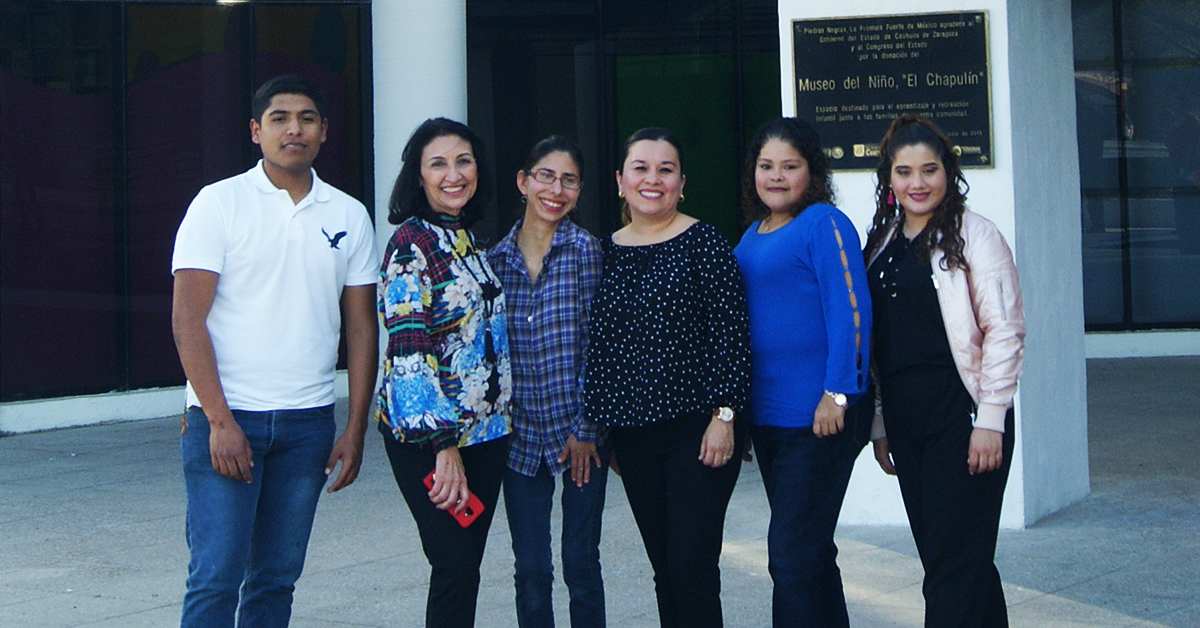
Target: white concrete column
[1032,194]
[420,71]
[1049,255]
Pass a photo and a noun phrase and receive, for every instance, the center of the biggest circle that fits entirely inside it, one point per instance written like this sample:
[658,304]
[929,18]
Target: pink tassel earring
[891,201]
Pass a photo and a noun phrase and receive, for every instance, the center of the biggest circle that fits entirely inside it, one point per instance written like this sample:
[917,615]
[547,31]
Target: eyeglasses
[547,177]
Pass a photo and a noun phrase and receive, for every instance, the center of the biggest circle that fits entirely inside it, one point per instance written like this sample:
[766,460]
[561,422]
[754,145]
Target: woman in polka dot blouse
[668,372]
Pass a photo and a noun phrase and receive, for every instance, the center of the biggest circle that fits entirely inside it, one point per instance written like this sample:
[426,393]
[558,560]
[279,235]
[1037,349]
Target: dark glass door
[1137,93]
[597,71]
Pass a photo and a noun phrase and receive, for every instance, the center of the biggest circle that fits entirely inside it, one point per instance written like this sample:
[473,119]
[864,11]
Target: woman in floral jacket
[447,385]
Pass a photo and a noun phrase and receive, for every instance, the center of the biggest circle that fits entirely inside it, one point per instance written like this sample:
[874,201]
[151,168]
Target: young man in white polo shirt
[266,265]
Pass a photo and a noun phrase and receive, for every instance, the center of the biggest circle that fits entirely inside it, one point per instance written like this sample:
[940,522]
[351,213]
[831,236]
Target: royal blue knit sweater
[810,315]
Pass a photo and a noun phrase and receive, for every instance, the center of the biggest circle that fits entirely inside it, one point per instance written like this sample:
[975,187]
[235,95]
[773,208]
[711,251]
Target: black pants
[679,505]
[454,553]
[954,515]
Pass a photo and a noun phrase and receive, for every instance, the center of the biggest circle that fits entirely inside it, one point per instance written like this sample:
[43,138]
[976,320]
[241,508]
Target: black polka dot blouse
[670,334]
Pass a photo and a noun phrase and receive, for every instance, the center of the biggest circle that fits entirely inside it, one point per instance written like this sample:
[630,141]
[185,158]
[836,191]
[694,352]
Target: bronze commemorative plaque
[853,76]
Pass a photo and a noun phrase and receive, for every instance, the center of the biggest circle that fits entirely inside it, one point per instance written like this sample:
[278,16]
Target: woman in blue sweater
[810,323]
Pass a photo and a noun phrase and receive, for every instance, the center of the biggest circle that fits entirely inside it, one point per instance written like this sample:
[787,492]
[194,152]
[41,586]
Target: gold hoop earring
[620,194]
[681,197]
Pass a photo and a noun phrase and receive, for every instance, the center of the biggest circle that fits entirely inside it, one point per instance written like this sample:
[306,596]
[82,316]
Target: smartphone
[469,514]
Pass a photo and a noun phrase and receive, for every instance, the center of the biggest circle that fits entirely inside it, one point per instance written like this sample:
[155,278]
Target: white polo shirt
[275,321]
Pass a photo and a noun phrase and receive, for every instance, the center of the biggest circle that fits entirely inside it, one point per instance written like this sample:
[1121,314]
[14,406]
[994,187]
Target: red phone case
[469,514]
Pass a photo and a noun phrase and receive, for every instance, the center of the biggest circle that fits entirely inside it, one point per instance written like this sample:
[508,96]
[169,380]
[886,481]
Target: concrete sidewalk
[91,534]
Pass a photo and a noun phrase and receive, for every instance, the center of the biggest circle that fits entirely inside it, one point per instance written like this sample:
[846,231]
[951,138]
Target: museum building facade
[116,112]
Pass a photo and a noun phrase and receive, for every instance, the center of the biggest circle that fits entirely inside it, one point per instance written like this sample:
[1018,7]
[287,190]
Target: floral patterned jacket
[447,379]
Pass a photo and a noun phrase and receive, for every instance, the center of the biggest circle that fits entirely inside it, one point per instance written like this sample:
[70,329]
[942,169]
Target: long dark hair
[801,136]
[944,230]
[654,134]
[408,197]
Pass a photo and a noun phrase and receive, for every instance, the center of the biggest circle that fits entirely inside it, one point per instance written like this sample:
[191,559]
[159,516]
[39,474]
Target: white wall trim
[20,417]
[1142,344]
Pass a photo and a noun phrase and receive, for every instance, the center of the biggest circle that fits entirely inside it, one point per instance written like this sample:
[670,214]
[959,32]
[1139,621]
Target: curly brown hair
[802,137]
[944,229]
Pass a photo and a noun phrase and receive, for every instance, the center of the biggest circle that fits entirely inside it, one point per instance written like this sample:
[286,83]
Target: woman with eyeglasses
[550,268]
[444,401]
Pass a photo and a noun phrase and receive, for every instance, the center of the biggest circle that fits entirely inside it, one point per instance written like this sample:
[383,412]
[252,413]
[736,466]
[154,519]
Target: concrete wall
[1032,194]
[50,414]
[1142,344]
[1049,255]
[19,417]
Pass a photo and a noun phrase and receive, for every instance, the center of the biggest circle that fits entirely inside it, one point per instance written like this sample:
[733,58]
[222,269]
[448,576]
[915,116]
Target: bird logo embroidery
[334,239]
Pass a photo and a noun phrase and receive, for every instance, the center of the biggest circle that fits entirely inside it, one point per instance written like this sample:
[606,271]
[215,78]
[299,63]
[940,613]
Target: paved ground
[91,534]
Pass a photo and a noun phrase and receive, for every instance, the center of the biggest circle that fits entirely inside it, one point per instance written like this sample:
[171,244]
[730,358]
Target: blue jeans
[527,500]
[805,478]
[252,536]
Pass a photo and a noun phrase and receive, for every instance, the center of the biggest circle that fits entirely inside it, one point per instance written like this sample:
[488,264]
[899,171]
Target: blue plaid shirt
[548,335]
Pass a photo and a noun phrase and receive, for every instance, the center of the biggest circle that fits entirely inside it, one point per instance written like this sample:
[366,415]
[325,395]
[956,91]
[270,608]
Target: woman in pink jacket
[948,339]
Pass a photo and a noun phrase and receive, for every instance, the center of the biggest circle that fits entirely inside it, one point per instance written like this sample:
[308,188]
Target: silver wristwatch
[838,398]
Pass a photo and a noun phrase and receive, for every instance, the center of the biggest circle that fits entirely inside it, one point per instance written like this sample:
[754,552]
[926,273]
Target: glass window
[1098,119]
[321,43]
[1162,70]
[1137,83]
[59,279]
[708,70]
[187,123]
[116,114]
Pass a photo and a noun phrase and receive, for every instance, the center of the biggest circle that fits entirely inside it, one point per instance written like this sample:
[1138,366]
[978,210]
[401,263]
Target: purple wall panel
[332,164]
[185,130]
[57,284]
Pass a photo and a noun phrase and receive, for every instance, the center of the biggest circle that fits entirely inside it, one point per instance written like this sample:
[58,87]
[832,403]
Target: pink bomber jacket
[984,317]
